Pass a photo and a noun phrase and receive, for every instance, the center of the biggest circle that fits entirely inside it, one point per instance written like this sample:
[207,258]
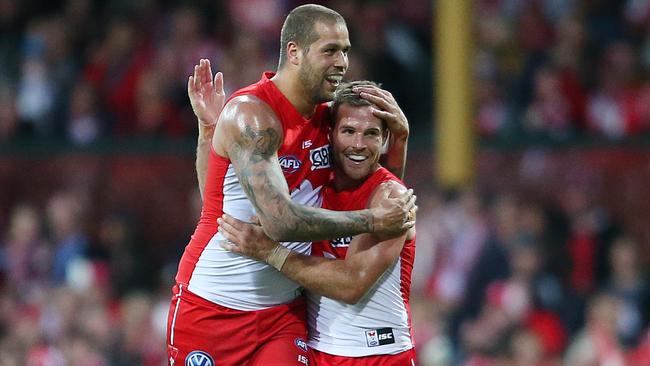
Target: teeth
[357,157]
[334,79]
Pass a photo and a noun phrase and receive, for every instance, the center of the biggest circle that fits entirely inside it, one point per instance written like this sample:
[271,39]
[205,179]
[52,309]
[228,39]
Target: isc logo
[289,164]
[379,337]
[303,359]
[320,157]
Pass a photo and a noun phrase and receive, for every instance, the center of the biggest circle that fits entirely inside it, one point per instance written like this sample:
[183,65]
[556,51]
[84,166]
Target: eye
[347,131]
[373,133]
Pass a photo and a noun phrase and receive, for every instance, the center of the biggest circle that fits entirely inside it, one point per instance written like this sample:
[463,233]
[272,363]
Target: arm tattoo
[254,146]
[265,142]
[264,187]
[311,222]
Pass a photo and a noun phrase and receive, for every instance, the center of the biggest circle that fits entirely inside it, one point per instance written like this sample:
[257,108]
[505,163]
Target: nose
[358,142]
[341,60]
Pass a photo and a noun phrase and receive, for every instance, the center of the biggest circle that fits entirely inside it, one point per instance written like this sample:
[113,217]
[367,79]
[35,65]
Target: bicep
[370,257]
[257,168]
[252,138]
[377,254]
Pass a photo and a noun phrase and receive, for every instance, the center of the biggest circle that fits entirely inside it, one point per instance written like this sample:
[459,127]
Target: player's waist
[359,342]
[382,309]
[181,290]
[239,282]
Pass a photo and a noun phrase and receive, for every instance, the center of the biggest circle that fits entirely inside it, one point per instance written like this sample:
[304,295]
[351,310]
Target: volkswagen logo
[198,358]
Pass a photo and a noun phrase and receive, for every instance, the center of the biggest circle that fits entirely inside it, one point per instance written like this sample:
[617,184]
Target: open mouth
[334,80]
[357,158]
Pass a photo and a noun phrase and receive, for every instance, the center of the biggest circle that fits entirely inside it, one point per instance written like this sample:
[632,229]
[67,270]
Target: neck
[289,84]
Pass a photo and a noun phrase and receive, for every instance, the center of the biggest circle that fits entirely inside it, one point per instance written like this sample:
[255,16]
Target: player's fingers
[379,101]
[218,83]
[255,220]
[201,71]
[373,90]
[383,115]
[227,233]
[190,85]
[406,200]
[229,246]
[236,224]
[208,71]
[410,205]
[408,224]
[226,227]
[412,214]
[197,77]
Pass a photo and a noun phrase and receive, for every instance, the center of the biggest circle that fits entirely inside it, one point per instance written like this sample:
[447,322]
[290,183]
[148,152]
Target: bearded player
[269,157]
[358,298]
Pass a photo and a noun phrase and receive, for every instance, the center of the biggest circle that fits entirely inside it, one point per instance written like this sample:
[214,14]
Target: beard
[313,84]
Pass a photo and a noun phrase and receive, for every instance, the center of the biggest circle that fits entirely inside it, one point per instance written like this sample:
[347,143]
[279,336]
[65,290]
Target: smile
[334,79]
[357,158]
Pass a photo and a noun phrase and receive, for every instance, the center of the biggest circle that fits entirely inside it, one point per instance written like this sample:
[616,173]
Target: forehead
[356,116]
[336,32]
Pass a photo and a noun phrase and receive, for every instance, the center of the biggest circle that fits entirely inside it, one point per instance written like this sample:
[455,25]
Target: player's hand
[206,94]
[389,111]
[246,239]
[394,215]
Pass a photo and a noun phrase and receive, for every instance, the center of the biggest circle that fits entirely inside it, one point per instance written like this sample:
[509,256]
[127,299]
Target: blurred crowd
[562,68]
[80,70]
[506,279]
[69,298]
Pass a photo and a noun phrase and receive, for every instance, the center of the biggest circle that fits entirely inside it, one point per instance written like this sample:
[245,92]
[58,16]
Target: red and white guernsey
[379,324]
[232,280]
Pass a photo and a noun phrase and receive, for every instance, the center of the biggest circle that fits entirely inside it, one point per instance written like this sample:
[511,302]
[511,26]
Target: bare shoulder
[249,110]
[246,120]
[395,188]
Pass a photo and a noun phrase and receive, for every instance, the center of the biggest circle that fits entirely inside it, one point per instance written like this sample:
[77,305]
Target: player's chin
[325,96]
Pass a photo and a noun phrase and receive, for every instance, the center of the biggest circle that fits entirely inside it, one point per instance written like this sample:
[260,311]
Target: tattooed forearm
[317,224]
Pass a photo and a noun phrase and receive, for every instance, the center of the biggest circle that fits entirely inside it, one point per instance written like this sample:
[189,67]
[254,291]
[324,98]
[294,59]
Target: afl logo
[289,164]
[199,358]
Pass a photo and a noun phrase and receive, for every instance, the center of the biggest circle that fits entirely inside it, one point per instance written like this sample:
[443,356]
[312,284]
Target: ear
[293,53]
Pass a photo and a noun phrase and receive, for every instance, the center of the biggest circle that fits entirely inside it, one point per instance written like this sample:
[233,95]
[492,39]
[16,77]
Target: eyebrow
[336,45]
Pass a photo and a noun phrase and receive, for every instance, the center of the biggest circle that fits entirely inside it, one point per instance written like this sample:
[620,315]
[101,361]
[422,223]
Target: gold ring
[410,216]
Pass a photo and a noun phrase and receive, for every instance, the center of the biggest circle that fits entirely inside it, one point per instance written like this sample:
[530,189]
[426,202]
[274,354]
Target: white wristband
[278,256]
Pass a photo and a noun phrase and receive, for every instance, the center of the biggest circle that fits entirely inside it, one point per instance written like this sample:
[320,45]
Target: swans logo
[199,358]
[300,343]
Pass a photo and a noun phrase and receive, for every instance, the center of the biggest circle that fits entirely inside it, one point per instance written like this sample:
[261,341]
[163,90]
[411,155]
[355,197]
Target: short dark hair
[299,26]
[345,95]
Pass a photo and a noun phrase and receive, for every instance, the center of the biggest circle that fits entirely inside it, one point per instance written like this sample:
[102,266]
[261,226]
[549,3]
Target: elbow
[351,299]
[355,290]
[281,226]
[352,295]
